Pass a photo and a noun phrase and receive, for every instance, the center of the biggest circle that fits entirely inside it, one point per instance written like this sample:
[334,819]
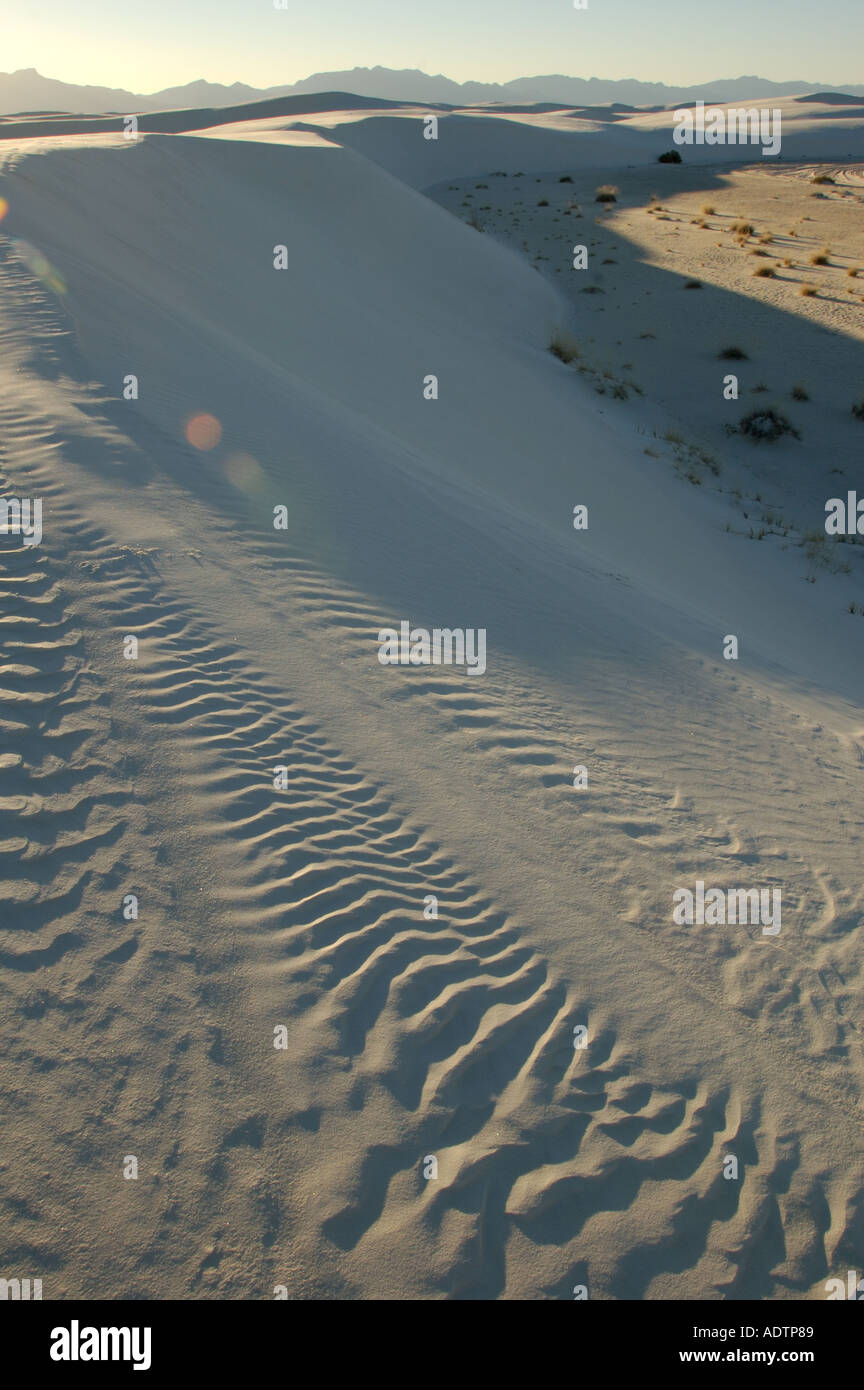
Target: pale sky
[146,45]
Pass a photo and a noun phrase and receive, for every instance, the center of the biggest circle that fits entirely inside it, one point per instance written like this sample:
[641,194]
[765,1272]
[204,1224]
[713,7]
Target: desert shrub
[821,178]
[858,409]
[800,393]
[693,285]
[543,203]
[853,271]
[764,272]
[565,179]
[808,291]
[764,426]
[670,157]
[821,257]
[742,228]
[606,193]
[707,209]
[732,354]
[564,347]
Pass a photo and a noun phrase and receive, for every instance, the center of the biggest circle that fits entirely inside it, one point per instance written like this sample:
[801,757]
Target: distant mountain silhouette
[833,99]
[28,91]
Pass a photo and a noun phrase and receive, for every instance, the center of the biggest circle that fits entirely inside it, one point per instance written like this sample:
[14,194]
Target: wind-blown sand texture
[409,1037]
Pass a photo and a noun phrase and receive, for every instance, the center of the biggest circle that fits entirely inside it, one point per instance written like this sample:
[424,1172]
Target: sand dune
[300,907]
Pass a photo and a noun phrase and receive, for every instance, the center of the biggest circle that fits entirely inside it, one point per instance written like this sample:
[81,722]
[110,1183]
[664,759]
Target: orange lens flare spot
[4,208]
[203,431]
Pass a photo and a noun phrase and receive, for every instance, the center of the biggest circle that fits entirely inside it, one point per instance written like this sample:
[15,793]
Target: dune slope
[293,914]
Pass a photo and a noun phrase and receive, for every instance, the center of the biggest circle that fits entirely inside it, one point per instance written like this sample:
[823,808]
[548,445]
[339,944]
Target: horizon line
[378,67]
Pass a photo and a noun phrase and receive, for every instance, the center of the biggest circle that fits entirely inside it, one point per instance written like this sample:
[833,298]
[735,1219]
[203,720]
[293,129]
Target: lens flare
[4,208]
[203,431]
[40,266]
[244,472]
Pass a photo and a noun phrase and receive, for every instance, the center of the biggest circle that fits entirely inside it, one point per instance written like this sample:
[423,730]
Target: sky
[146,45]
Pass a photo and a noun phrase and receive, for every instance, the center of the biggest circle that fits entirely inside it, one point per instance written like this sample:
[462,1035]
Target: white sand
[407,1037]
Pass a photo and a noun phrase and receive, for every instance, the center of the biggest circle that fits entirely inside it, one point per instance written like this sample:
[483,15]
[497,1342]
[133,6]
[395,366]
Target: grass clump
[732,354]
[765,272]
[564,347]
[606,193]
[670,157]
[764,426]
[808,291]
[800,393]
[821,257]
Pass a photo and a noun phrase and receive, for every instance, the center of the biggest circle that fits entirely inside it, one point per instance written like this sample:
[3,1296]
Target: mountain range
[28,91]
